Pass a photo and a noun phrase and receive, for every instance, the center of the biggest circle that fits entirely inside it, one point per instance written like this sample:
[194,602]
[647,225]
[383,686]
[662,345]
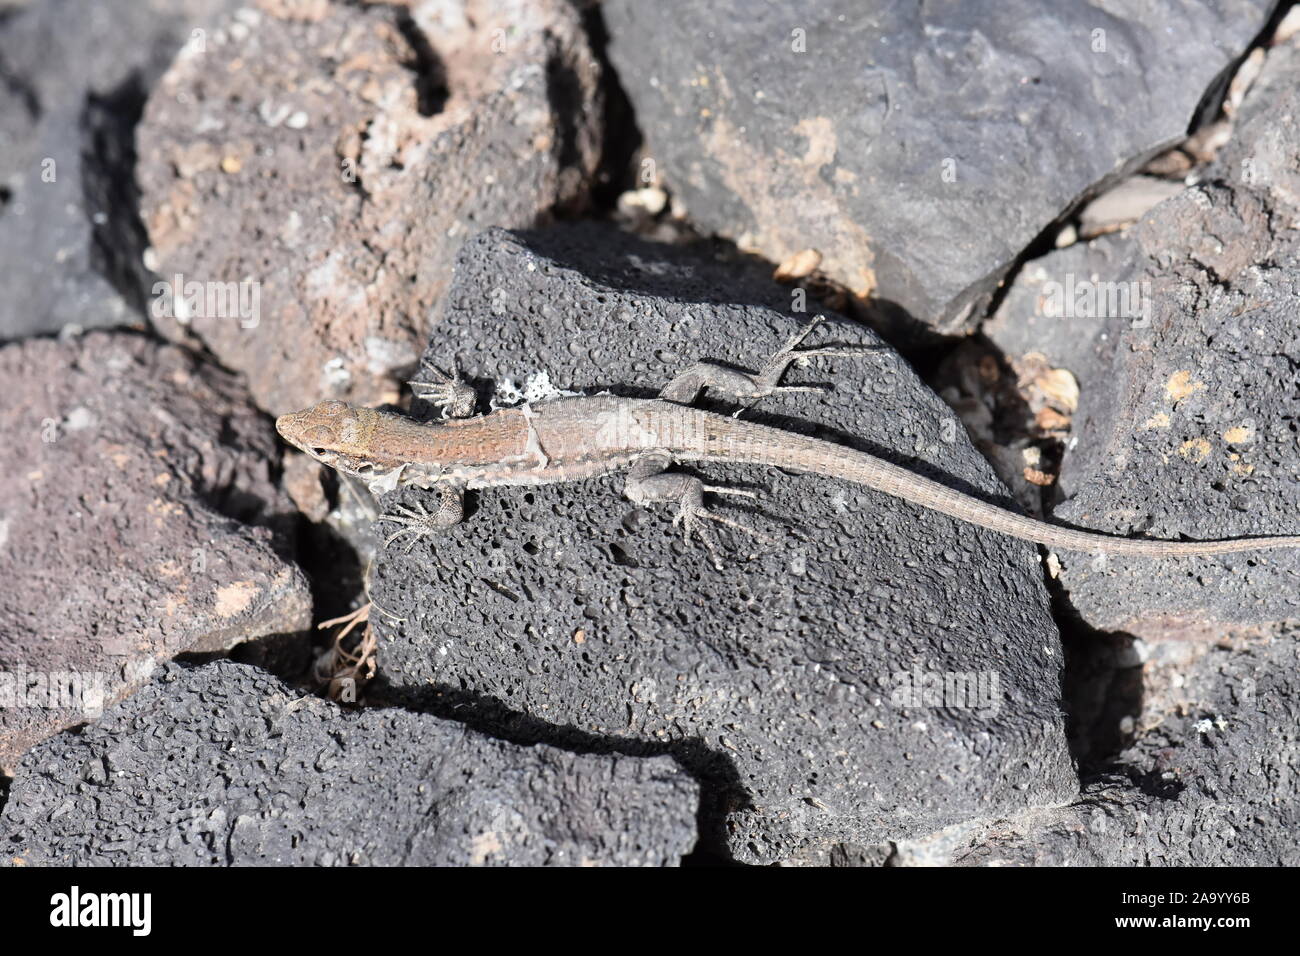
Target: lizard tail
[801,453]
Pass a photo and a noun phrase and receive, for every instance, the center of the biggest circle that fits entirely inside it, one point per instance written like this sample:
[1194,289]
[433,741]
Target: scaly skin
[570,439]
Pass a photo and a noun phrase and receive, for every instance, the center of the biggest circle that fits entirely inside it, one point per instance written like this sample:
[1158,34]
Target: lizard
[576,437]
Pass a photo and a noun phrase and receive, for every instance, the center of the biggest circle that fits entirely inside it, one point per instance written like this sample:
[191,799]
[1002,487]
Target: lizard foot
[685,388]
[766,381]
[690,514]
[450,394]
[417,522]
[649,482]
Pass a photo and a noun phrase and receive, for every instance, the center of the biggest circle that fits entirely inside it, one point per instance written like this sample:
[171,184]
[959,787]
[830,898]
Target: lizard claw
[688,520]
[693,511]
[416,522]
[723,490]
[419,523]
[738,525]
[450,394]
[766,381]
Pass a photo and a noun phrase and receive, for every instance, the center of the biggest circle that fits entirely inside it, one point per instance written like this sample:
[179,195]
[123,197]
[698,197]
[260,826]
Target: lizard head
[334,433]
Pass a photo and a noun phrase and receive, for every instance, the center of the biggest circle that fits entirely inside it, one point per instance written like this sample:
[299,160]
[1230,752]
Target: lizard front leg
[685,388]
[649,481]
[450,394]
[419,523]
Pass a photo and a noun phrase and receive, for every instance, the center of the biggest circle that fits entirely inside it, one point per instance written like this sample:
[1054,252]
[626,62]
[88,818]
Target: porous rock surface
[1213,779]
[918,148]
[134,476]
[336,156]
[225,765]
[567,615]
[1187,423]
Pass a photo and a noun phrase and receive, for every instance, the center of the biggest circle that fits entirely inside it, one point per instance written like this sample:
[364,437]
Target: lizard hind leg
[417,522]
[686,387]
[768,379]
[650,481]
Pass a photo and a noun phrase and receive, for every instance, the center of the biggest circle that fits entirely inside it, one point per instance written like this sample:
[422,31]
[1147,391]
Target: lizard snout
[290,428]
[321,430]
[301,430]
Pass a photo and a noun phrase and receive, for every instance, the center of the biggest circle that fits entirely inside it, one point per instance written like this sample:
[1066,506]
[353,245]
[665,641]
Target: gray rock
[1260,154]
[1214,780]
[225,765]
[136,516]
[73,80]
[339,168]
[1186,421]
[569,616]
[1035,316]
[919,149]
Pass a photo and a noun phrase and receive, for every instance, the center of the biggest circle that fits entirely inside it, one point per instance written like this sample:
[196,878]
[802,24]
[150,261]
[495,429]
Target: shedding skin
[573,438]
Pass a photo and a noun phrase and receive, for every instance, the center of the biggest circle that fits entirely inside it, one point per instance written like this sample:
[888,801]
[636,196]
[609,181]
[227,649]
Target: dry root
[346,666]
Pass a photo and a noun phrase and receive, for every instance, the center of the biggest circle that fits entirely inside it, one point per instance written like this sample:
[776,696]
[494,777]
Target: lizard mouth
[323,455]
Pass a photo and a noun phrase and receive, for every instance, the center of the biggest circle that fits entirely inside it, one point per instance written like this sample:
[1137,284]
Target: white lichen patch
[537,387]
